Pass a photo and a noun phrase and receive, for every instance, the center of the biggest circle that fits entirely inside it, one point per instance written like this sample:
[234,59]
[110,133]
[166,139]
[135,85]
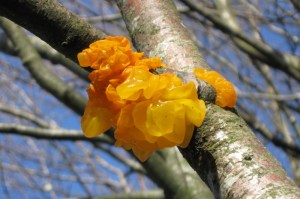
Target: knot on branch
[206,92]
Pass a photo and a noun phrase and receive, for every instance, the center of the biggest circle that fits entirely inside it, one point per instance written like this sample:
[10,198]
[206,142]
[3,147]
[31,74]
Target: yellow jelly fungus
[148,111]
[226,95]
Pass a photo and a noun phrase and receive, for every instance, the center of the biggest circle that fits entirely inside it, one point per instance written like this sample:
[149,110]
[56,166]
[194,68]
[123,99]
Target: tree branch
[149,194]
[271,96]
[296,4]
[291,148]
[223,151]
[46,52]
[53,23]
[23,114]
[51,134]
[33,63]
[256,49]
[115,17]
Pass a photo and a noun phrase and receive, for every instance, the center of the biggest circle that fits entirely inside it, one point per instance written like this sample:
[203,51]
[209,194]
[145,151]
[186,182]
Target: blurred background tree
[43,154]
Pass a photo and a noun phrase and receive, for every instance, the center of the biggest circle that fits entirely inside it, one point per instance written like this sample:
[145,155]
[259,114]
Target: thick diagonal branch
[223,151]
[53,23]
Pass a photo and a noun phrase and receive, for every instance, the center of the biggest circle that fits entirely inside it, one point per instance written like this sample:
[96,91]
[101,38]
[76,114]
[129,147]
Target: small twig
[269,96]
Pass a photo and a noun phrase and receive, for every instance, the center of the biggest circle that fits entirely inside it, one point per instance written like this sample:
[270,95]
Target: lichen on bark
[157,30]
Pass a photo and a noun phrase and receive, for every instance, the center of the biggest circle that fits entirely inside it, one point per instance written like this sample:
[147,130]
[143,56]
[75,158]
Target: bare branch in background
[33,63]
[52,134]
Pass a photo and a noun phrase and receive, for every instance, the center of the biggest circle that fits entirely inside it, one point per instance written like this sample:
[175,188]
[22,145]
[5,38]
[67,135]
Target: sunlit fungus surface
[226,95]
[148,111]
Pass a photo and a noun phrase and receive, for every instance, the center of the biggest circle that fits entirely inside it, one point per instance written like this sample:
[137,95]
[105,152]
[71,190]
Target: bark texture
[157,30]
[224,151]
[53,23]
